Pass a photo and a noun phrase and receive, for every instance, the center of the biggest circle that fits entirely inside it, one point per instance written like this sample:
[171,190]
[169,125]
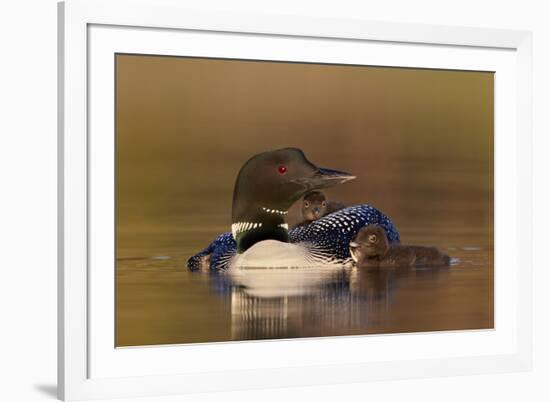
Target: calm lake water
[160,302]
[164,304]
[419,141]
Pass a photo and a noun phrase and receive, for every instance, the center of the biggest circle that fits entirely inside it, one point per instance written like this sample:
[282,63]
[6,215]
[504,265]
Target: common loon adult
[266,186]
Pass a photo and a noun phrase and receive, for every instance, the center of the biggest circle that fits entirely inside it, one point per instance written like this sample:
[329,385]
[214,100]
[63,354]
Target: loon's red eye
[282,169]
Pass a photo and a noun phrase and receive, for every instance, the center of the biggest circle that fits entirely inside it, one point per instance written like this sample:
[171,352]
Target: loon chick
[371,247]
[315,205]
[266,186]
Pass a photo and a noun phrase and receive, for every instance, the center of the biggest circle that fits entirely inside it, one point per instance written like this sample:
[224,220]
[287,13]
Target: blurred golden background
[420,142]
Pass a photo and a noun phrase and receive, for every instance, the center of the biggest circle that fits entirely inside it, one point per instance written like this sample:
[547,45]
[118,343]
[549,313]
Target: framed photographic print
[253,201]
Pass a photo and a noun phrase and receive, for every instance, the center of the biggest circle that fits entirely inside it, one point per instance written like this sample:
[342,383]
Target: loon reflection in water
[269,304]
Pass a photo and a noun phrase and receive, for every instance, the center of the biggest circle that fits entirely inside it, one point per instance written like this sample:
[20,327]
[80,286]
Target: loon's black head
[267,185]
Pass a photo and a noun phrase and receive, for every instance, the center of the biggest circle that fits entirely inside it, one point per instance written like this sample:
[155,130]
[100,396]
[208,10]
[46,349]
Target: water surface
[160,302]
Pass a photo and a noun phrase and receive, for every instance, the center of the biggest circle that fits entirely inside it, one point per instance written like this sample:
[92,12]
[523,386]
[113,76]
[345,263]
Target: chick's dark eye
[306,204]
[282,169]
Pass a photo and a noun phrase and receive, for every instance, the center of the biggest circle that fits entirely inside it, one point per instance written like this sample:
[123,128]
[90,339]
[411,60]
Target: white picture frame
[90,32]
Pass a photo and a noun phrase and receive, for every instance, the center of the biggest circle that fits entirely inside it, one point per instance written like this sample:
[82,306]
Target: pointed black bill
[323,178]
